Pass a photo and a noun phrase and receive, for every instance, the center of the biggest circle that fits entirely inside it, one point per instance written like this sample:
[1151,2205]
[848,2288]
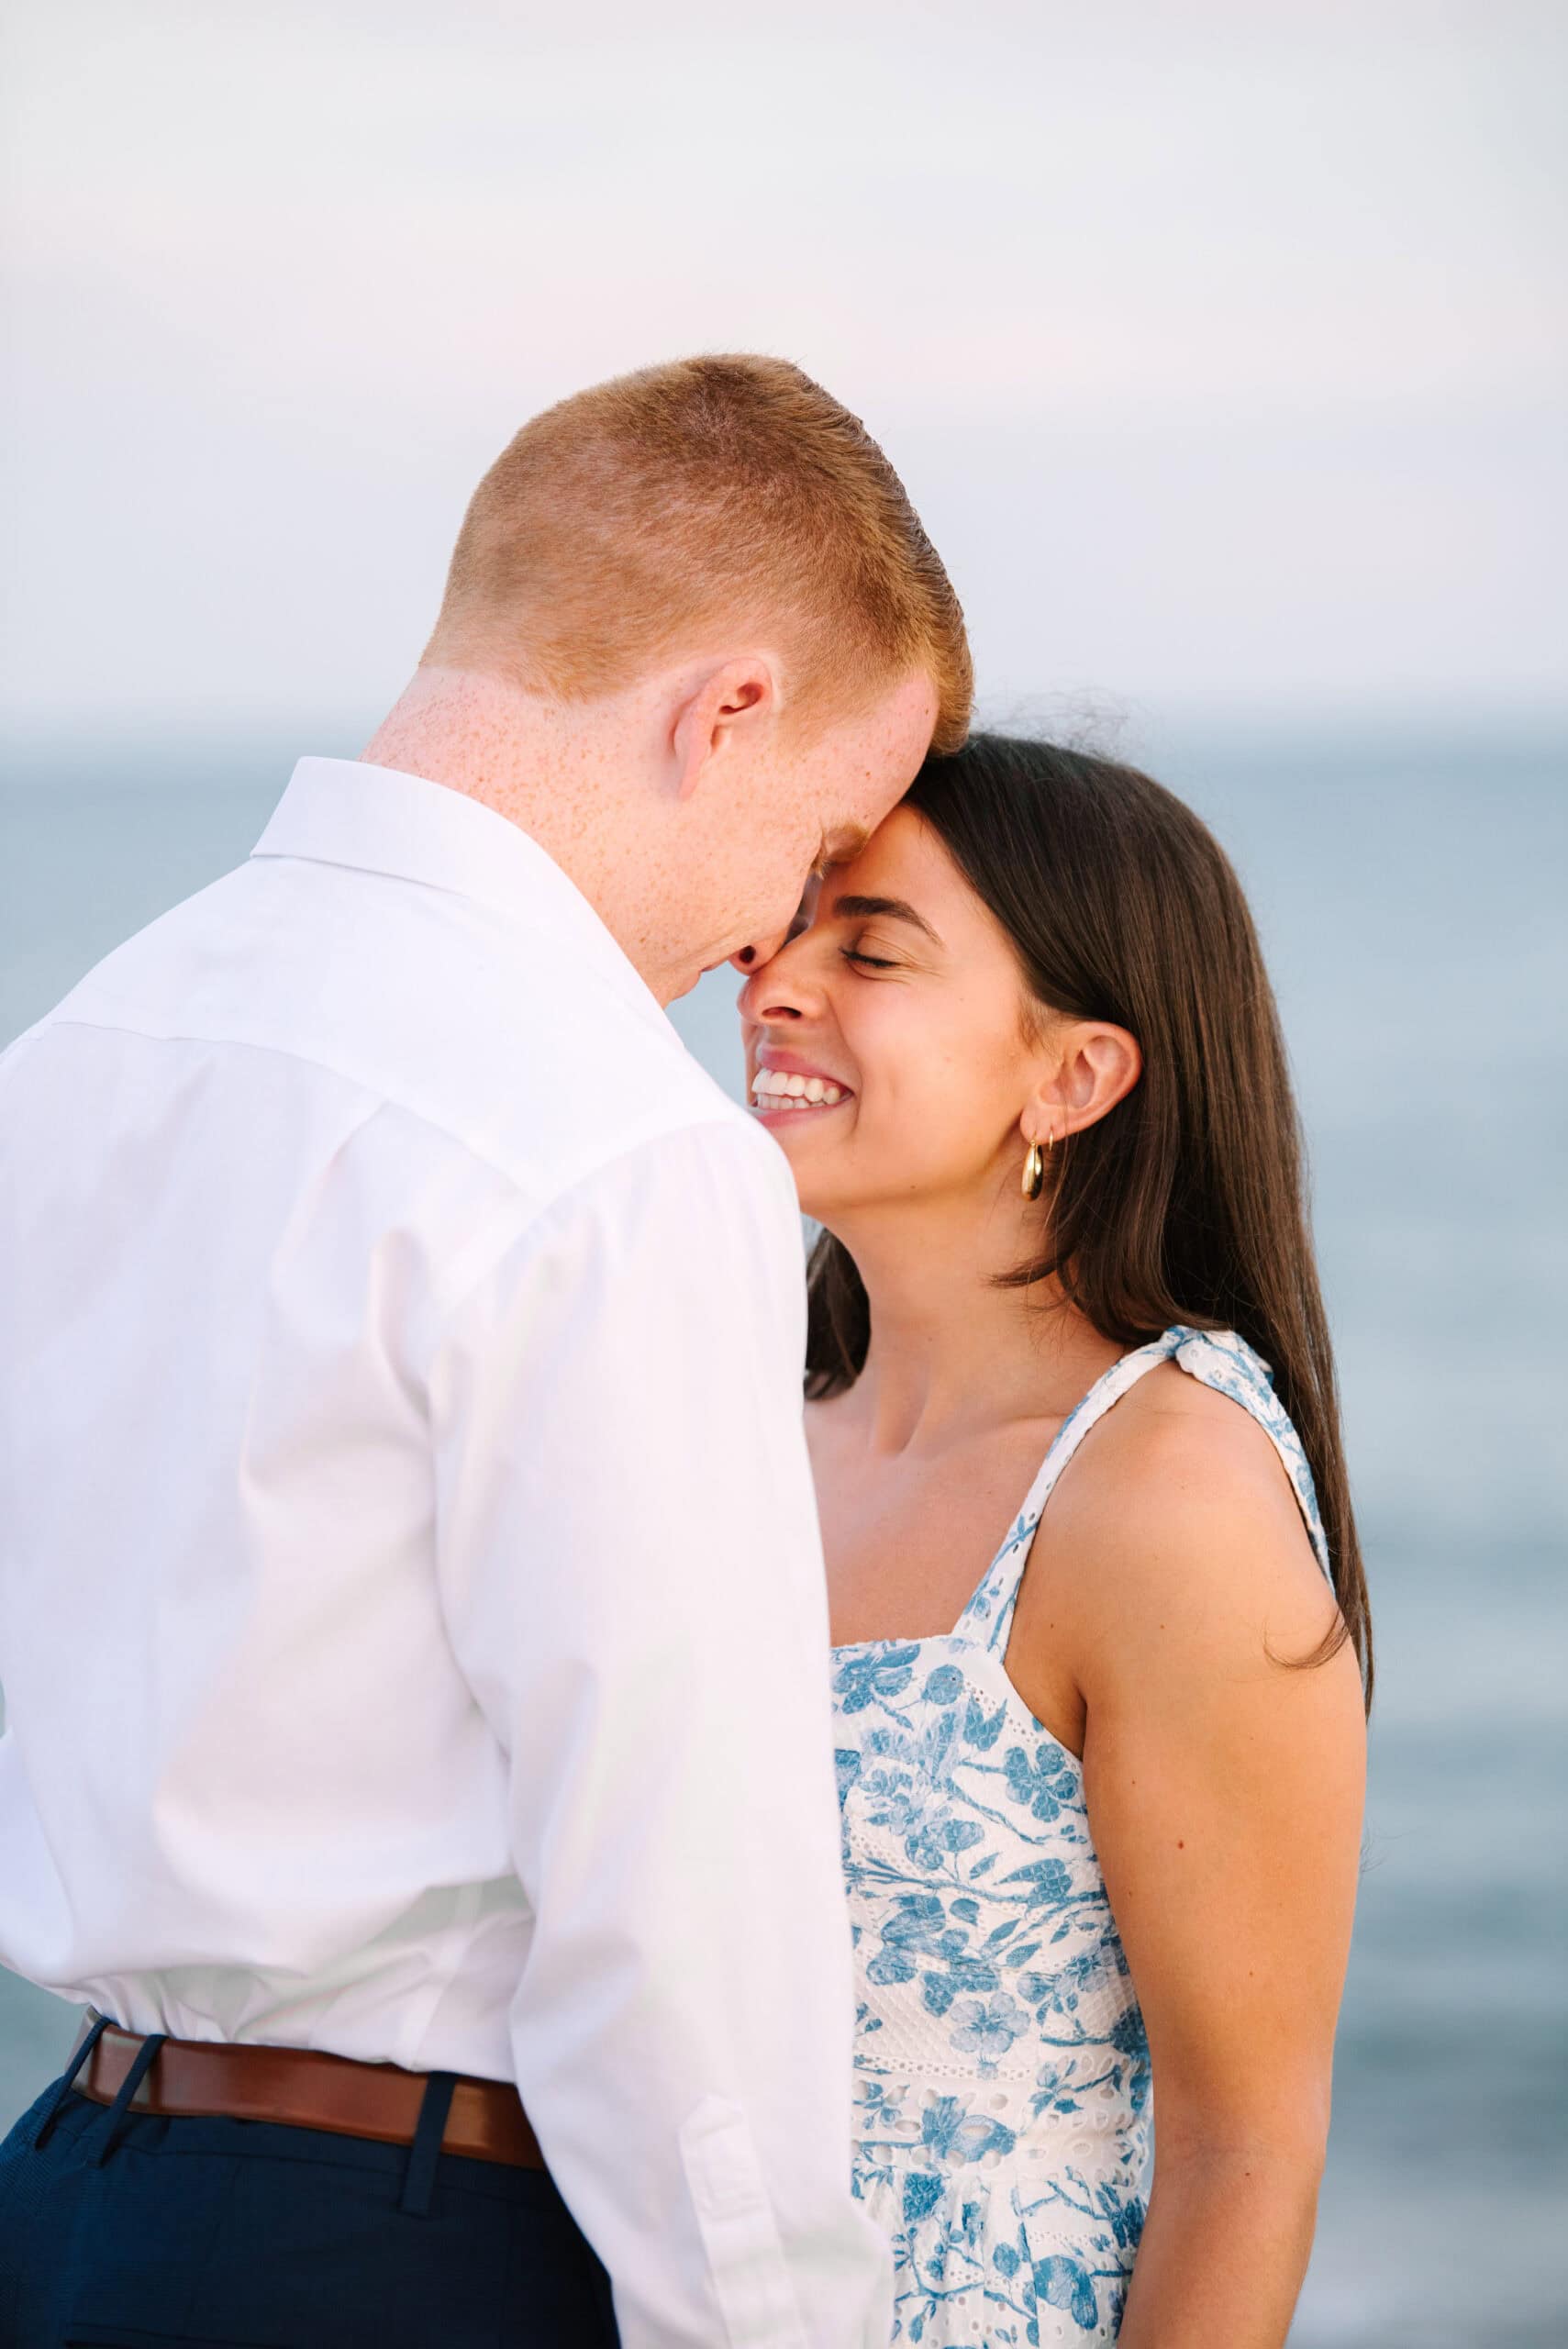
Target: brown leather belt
[306,2088]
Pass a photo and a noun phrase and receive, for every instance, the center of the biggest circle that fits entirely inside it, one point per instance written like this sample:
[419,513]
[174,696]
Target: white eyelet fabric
[1003,2129]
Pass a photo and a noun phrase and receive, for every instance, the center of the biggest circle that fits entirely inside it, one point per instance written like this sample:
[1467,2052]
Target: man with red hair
[410,1596]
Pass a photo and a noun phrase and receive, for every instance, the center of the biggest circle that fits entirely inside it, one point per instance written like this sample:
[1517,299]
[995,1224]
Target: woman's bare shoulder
[1176,1517]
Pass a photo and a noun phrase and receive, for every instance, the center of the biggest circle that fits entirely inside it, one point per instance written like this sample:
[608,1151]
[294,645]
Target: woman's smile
[784,1086]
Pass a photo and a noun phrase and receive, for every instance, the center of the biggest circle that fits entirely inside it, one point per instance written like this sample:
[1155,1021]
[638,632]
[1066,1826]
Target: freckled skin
[689,809]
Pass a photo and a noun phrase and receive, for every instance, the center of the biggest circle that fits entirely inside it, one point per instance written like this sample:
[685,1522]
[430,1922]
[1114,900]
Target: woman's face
[887,1043]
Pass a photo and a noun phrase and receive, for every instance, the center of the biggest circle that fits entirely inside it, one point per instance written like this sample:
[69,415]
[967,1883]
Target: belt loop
[419,2178]
[67,2081]
[142,2064]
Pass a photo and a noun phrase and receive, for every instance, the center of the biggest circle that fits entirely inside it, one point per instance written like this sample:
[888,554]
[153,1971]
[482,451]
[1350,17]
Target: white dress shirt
[412,1617]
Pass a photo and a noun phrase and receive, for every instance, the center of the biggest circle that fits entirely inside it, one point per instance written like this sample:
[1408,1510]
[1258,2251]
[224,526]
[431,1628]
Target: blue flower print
[950,2130]
[1127,2220]
[890,1965]
[874,1675]
[922,2192]
[939,1990]
[1062,2283]
[919,1923]
[1050,1878]
[923,1816]
[995,2007]
[1043,1784]
[980,1729]
[1058,1993]
[903,1805]
[1129,2036]
[989,2026]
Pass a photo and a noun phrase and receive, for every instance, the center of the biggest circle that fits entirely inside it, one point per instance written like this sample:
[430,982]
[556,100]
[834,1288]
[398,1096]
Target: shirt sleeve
[633,1580]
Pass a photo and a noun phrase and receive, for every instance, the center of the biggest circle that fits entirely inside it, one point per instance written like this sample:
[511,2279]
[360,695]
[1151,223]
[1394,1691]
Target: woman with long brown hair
[1101,1762]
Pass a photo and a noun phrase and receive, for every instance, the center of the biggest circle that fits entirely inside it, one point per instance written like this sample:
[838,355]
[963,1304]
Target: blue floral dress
[1002,2089]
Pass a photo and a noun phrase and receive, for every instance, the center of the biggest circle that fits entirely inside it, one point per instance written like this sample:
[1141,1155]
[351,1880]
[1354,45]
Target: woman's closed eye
[866,962]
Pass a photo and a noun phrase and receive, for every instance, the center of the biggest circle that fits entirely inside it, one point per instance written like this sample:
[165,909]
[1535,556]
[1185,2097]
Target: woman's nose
[781,987]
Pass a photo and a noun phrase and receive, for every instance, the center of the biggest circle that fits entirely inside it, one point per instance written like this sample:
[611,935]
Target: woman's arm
[1225,1796]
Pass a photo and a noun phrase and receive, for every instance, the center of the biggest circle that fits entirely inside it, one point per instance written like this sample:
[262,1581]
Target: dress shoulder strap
[989,1614]
[1218,1359]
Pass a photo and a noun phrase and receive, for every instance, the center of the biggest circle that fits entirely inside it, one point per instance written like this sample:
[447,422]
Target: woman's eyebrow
[889,908]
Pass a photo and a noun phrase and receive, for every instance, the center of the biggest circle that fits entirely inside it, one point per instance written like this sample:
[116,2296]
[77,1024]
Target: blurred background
[1222,350]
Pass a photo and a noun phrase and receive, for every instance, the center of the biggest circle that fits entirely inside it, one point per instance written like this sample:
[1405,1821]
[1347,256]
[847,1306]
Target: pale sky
[1223,346]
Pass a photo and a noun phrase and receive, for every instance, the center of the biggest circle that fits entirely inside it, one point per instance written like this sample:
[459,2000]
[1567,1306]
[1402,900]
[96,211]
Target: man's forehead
[882,745]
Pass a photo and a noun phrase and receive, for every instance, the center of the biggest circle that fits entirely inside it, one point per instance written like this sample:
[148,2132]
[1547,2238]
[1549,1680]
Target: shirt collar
[378,819]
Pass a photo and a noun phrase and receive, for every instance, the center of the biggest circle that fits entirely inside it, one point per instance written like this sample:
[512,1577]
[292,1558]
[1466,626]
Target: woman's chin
[806,1156]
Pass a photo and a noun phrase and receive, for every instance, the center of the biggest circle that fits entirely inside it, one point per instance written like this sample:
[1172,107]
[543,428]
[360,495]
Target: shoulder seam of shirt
[725,1115]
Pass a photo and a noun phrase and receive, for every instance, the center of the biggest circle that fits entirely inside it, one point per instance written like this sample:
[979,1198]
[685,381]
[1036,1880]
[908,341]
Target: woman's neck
[952,1355]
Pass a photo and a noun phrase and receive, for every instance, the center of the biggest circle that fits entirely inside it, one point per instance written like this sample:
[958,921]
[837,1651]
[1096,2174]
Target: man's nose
[748,960]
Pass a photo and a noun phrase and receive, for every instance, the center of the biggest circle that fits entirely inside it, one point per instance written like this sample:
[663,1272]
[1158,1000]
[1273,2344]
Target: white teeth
[785,1091]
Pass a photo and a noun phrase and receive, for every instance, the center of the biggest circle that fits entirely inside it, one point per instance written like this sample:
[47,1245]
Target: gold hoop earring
[1034,1170]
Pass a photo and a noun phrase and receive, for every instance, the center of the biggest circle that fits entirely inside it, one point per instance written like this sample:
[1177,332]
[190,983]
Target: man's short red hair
[670,508]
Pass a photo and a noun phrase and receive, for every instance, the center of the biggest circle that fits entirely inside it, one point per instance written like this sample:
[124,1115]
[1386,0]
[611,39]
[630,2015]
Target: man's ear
[724,708]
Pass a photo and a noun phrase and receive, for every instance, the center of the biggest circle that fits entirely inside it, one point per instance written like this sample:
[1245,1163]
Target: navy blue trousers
[242,2234]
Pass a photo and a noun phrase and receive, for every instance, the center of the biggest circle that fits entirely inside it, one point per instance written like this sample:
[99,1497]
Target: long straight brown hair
[1187,1203]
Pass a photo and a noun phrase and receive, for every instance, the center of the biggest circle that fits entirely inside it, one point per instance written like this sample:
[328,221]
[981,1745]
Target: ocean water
[1410,893]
